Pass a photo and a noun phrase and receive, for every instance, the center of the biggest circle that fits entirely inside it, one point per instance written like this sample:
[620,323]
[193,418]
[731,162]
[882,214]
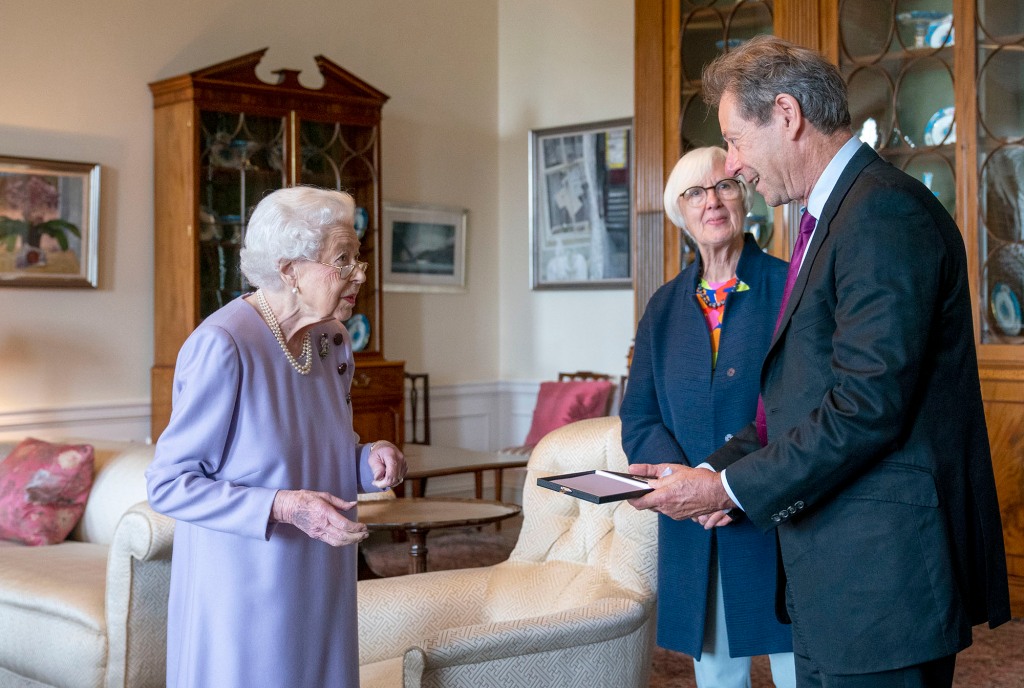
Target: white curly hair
[290,224]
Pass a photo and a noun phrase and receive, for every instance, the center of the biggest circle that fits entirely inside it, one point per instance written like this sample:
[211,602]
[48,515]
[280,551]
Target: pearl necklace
[307,346]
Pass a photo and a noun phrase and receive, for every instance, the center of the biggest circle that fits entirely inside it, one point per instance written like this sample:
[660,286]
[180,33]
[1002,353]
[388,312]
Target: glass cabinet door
[243,157]
[707,28]
[344,157]
[897,58]
[241,160]
[999,32]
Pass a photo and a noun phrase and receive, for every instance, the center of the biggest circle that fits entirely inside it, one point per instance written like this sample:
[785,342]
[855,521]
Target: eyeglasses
[726,190]
[345,271]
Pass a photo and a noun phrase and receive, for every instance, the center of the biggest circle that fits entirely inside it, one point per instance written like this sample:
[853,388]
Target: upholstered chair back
[590,551]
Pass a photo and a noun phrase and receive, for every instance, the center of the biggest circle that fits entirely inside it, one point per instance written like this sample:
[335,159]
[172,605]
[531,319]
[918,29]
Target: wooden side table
[417,516]
[431,461]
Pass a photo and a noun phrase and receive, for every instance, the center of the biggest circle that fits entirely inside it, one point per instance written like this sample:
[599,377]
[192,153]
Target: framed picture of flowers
[49,220]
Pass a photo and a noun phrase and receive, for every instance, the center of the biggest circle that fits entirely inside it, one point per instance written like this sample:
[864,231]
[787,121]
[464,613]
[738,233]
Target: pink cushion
[561,403]
[43,490]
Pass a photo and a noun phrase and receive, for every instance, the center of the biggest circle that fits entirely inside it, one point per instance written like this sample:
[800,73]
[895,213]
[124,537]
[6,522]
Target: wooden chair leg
[497,491]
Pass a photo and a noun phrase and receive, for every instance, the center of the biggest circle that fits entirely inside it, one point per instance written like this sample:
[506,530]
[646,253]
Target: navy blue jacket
[677,410]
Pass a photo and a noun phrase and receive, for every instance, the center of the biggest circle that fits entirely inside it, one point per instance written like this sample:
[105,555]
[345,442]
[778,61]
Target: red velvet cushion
[561,403]
[43,490]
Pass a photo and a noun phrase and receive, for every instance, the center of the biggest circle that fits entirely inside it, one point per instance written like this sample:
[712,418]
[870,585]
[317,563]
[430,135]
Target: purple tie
[807,223]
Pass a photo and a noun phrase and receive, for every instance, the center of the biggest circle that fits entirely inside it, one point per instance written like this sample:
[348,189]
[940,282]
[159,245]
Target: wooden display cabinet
[905,71]
[223,138]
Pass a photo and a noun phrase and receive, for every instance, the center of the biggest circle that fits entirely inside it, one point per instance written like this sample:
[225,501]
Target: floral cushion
[561,403]
[43,490]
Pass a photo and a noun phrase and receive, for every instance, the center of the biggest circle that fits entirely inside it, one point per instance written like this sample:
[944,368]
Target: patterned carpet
[996,660]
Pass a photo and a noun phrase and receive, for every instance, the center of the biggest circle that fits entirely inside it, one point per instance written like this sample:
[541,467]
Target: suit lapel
[861,159]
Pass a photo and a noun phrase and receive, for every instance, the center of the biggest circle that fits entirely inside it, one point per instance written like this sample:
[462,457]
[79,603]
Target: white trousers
[715,668]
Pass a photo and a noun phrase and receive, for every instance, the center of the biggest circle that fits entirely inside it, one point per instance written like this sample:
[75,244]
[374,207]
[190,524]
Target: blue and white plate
[362,221]
[940,32]
[921,15]
[940,128]
[359,328]
[1006,309]
[731,44]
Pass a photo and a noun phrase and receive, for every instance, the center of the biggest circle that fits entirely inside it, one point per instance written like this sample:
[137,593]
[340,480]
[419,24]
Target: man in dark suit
[872,461]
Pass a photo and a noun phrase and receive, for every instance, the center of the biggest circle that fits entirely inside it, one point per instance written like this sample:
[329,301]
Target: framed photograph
[49,220]
[424,248]
[581,206]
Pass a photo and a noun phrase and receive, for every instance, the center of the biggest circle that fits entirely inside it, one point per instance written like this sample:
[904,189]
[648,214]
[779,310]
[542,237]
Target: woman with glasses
[260,466]
[694,380]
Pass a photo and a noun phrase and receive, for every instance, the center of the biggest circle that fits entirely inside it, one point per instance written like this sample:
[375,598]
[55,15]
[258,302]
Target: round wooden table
[419,515]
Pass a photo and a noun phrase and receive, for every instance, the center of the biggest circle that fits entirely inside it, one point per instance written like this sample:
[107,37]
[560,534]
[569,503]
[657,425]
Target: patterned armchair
[572,606]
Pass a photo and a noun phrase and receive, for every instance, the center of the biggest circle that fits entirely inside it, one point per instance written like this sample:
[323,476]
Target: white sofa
[91,611]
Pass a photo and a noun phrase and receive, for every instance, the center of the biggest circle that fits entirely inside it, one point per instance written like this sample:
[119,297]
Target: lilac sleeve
[365,473]
[193,446]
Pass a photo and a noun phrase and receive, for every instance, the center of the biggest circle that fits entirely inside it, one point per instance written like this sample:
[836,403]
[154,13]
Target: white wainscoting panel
[485,416]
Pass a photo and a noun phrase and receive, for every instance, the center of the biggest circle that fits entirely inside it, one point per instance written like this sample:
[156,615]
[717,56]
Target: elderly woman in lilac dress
[260,465]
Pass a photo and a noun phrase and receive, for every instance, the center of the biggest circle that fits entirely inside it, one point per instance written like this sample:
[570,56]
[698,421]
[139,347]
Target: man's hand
[316,515]
[682,492]
[387,463]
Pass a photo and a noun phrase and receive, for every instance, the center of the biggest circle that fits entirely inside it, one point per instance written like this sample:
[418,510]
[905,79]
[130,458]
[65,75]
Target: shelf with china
[901,84]
[940,80]
[223,139]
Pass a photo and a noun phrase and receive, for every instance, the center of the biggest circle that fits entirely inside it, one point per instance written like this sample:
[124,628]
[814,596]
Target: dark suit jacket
[676,410]
[877,472]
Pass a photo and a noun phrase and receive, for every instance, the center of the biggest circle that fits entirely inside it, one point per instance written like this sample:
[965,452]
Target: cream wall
[559,63]
[467,80]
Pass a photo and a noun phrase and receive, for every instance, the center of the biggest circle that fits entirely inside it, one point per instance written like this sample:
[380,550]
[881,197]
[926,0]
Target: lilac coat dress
[252,604]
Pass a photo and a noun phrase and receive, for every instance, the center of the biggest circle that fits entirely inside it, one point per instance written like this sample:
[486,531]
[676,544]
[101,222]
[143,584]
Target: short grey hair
[765,66]
[691,170]
[290,224]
